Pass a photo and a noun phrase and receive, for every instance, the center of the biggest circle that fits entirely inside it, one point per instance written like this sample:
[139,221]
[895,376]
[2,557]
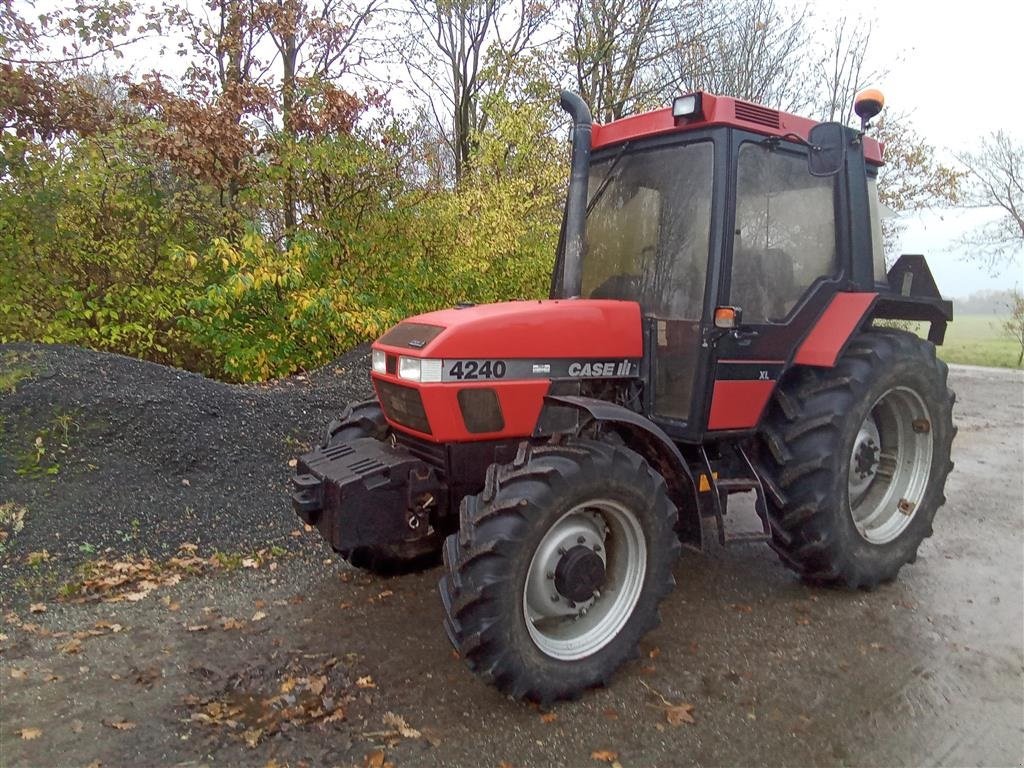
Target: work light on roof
[686,106]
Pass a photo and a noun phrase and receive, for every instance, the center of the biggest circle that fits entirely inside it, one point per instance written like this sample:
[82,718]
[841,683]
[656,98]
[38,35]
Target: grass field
[979,340]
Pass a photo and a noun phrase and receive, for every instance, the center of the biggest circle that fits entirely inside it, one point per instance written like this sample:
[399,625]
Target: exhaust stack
[568,266]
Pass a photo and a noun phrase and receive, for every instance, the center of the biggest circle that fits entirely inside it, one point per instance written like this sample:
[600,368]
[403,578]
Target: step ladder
[720,488]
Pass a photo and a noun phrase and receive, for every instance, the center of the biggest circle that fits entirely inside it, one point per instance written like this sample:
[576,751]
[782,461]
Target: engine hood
[559,328]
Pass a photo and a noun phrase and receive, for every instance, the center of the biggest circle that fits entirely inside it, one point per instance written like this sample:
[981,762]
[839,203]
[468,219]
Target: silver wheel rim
[569,631]
[890,465]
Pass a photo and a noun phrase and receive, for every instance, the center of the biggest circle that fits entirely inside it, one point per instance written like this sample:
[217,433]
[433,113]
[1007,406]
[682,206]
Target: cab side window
[785,235]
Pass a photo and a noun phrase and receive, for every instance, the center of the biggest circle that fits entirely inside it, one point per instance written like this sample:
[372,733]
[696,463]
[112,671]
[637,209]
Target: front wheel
[558,568]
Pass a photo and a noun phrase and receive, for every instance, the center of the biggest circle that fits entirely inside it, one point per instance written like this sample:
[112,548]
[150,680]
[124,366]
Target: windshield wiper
[606,180]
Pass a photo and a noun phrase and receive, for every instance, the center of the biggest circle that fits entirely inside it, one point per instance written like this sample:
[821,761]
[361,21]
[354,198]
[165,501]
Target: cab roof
[716,110]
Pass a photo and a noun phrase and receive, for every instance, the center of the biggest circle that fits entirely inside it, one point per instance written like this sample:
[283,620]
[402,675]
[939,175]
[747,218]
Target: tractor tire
[367,420]
[558,568]
[854,459]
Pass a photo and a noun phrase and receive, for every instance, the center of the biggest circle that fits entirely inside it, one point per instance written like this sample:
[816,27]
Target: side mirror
[828,149]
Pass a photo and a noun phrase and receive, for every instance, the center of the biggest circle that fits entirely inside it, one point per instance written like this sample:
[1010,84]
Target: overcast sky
[956,70]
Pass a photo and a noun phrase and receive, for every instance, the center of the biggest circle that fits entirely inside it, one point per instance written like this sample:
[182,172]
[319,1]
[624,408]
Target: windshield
[648,229]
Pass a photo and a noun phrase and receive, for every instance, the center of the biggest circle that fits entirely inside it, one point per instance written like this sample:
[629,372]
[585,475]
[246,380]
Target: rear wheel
[367,420]
[558,568]
[855,459]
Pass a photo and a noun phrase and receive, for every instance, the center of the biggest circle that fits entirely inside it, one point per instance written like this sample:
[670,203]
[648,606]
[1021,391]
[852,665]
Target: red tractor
[711,331]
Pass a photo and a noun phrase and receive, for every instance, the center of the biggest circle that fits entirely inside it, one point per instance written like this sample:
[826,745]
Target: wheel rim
[568,629]
[890,465]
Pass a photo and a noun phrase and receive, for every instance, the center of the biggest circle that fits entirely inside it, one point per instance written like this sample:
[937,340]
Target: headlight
[409,368]
[379,361]
[420,369]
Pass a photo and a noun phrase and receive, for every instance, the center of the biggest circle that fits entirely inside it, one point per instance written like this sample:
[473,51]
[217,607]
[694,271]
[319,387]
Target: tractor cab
[727,223]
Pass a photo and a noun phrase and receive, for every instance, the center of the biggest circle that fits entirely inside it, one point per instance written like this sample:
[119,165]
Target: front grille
[403,405]
[753,113]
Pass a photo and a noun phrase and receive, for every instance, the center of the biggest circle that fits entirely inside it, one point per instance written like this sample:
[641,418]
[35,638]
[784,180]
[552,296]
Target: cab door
[781,268]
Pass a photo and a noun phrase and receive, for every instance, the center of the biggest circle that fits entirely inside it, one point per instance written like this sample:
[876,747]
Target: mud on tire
[831,440]
[489,562]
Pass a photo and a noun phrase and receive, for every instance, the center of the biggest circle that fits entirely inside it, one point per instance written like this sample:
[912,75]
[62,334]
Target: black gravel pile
[138,457]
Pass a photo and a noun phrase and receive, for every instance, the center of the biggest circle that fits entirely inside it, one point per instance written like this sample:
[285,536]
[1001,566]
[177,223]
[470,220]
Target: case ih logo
[613,368]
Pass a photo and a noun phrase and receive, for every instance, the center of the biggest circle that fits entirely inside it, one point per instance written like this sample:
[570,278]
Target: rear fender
[643,436]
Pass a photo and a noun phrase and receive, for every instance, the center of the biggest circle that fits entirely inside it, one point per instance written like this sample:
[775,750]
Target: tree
[841,73]
[451,43]
[749,49]
[1013,326]
[316,44]
[996,178]
[616,50]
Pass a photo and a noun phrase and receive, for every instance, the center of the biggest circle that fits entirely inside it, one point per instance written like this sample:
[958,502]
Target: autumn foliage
[246,225]
[249,202]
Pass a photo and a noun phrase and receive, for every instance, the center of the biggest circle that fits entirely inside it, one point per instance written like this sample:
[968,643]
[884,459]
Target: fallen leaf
[374,759]
[742,608]
[77,726]
[398,723]
[120,725]
[292,462]
[365,682]
[231,623]
[95,764]
[71,646]
[185,482]
[679,714]
[654,653]
[250,562]
[296,534]
[37,608]
[336,716]
[30,733]
[252,737]
[197,627]
[317,684]
[611,714]
[548,717]
[52,678]
[385,593]
[604,755]
[18,674]
[259,616]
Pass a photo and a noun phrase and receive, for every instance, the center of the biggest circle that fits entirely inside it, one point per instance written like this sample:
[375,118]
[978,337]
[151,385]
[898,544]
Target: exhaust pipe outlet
[573,240]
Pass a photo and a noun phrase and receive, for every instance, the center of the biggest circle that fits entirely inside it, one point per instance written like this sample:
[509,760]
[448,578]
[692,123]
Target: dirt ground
[299,661]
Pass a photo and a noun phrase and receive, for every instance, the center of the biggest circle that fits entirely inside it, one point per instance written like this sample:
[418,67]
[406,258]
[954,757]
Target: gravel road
[928,670]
